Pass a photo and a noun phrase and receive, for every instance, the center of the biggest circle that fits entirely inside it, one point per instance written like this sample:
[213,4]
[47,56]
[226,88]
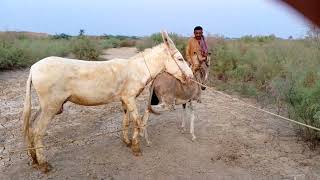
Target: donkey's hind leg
[48,112]
[32,152]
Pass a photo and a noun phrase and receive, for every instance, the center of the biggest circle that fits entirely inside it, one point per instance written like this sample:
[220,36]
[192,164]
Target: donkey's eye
[180,59]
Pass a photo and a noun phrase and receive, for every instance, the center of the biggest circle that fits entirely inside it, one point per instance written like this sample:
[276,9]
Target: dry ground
[233,142]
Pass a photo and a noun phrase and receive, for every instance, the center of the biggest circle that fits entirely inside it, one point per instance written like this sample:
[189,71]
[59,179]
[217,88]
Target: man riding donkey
[196,46]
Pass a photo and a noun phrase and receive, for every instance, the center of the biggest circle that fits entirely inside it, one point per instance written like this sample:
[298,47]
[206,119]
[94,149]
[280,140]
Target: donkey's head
[175,63]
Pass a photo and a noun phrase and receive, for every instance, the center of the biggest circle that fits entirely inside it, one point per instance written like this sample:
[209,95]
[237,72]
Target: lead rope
[144,59]
[183,73]
[66,142]
[259,109]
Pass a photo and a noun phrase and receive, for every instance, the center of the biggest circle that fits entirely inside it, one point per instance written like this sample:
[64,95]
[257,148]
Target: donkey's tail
[151,96]
[27,108]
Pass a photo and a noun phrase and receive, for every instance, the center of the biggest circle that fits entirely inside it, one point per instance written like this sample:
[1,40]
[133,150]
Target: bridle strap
[144,59]
[151,77]
[183,73]
[195,76]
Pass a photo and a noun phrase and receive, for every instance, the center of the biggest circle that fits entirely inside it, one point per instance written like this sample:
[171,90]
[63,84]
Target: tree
[81,32]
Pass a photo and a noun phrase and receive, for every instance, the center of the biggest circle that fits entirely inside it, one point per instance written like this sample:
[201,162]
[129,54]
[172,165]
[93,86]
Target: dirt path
[233,142]
[122,52]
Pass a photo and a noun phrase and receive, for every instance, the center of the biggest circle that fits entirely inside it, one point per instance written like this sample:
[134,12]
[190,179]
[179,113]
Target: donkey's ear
[167,40]
[165,37]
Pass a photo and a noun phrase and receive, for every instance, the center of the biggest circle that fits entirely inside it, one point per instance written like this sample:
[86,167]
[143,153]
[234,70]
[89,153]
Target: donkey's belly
[93,98]
[87,101]
[95,91]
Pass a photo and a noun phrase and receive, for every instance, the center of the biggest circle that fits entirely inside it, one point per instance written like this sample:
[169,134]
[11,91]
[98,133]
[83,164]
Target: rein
[199,69]
[145,62]
[144,59]
[184,76]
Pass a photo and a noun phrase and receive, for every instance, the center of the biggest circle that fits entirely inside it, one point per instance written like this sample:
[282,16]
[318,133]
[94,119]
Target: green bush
[61,36]
[22,52]
[85,48]
[12,57]
[42,48]
[110,43]
[127,43]
[156,38]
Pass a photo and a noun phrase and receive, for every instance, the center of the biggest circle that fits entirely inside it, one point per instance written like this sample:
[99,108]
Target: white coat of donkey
[57,80]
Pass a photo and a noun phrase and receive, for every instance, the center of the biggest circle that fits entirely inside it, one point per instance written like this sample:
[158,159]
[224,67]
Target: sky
[229,18]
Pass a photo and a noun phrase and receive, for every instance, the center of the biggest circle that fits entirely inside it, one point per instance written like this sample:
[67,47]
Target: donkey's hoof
[136,151]
[45,167]
[127,142]
[194,138]
[34,162]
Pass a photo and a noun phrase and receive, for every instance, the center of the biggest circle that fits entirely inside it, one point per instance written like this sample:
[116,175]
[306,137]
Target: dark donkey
[166,92]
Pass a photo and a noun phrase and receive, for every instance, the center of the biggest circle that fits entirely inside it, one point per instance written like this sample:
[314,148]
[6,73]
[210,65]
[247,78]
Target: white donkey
[58,80]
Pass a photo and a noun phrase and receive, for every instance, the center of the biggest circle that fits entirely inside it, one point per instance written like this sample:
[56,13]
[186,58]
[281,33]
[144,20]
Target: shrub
[17,52]
[61,36]
[110,43]
[85,48]
[127,43]
[156,38]
[12,57]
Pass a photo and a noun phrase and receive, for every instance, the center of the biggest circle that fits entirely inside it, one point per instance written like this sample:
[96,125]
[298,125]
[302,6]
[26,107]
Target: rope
[184,76]
[254,107]
[65,142]
[144,59]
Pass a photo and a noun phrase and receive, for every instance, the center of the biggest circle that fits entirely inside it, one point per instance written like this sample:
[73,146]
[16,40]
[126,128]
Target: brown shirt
[193,47]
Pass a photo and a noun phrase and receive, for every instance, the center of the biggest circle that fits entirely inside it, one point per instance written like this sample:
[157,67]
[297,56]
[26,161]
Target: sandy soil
[233,142]
[122,52]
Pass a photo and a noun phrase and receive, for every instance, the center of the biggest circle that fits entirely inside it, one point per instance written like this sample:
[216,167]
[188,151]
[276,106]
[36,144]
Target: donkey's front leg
[143,129]
[183,123]
[135,147]
[125,125]
[192,121]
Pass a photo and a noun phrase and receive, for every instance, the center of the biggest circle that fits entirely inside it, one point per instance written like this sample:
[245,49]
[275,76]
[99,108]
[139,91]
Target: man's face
[198,34]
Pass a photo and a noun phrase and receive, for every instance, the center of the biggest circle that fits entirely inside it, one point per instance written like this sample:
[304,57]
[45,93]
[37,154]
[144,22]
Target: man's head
[198,32]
